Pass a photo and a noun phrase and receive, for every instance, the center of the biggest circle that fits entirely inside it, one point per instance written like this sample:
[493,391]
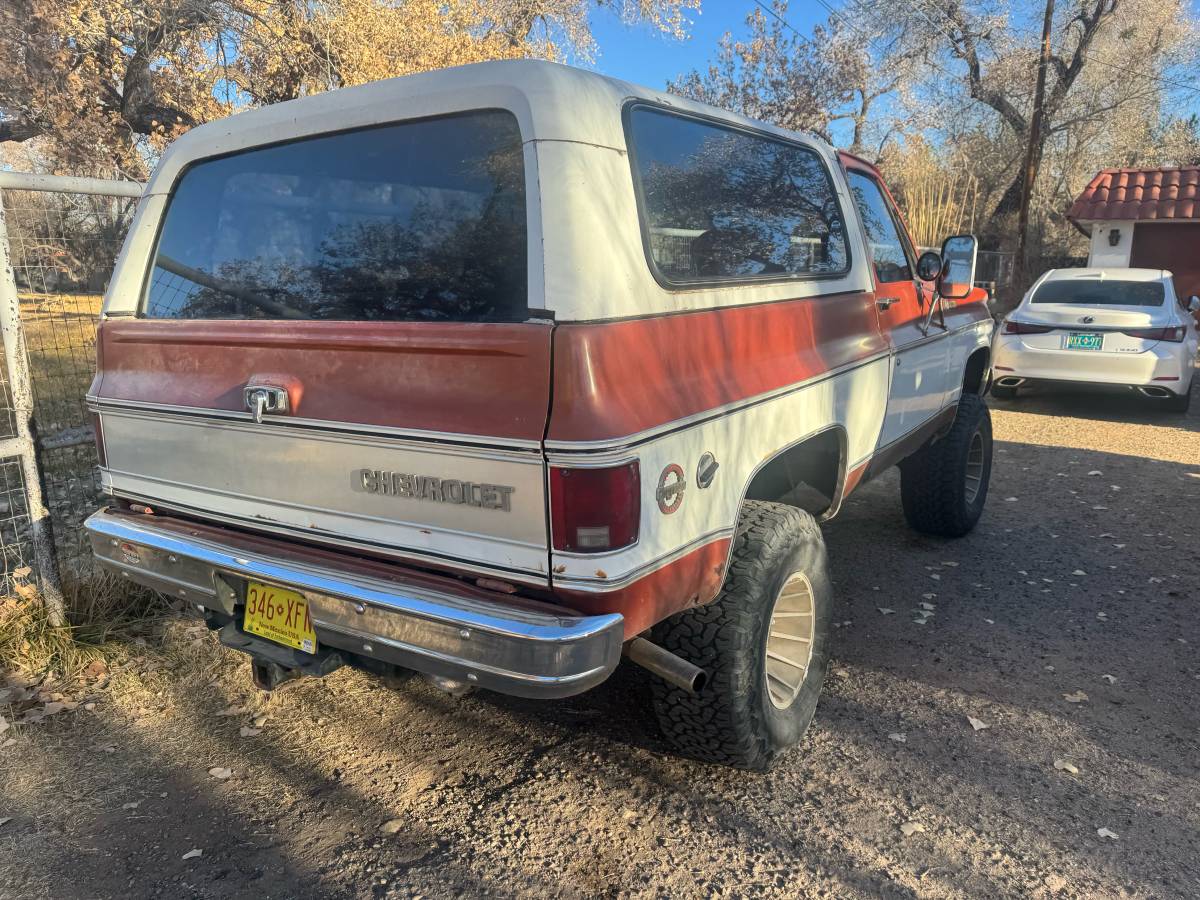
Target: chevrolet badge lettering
[439,490]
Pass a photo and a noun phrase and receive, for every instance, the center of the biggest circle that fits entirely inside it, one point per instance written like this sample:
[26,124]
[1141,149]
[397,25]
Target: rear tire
[776,599]
[1179,403]
[1000,392]
[944,486]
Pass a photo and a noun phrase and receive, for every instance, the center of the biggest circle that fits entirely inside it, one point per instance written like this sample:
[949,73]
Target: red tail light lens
[1175,334]
[593,510]
[1012,326]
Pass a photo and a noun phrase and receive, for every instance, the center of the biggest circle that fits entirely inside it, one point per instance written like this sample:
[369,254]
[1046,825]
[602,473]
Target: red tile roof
[1171,193]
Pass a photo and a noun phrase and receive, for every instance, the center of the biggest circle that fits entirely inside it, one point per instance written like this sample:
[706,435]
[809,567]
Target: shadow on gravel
[1103,405]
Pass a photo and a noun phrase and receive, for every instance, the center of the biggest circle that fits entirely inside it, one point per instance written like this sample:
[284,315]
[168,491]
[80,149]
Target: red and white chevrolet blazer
[498,372]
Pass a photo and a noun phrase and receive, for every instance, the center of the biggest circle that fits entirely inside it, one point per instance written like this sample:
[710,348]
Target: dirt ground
[1082,584]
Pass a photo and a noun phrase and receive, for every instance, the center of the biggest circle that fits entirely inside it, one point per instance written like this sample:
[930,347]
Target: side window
[722,204]
[883,234]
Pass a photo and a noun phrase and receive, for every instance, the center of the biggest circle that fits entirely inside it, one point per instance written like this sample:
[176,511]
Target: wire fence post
[24,444]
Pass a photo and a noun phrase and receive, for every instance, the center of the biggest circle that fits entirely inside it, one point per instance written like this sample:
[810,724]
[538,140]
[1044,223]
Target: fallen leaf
[899,737]
[928,607]
[4,726]
[233,711]
[928,596]
[920,621]
[1095,472]
[133,804]
[391,826]
[841,673]
[1063,766]
[5,820]
[1010,499]
[96,668]
[259,720]
[911,828]
[249,732]
[951,564]
[1102,616]
[89,706]
[1105,833]
[218,772]
[990,621]
[1077,697]
[883,610]
[1111,679]
[193,854]
[1079,572]
[977,724]
[935,576]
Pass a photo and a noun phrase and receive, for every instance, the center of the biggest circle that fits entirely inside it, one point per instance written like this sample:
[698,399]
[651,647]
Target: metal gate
[59,239]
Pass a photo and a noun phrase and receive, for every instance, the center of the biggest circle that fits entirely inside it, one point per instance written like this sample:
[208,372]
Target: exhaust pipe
[1010,381]
[666,665]
[1159,392]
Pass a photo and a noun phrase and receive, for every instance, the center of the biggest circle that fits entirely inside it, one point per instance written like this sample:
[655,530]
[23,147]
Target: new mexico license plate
[279,615]
[1078,341]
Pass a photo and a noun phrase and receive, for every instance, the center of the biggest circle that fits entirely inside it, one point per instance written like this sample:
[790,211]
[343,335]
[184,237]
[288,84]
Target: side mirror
[929,266]
[958,260]
[1193,304]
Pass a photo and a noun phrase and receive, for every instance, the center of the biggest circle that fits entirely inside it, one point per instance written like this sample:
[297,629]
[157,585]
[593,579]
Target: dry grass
[103,615]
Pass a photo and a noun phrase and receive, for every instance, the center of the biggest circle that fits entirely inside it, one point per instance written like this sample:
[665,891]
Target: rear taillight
[99,432]
[593,510]
[1175,333]
[1012,326]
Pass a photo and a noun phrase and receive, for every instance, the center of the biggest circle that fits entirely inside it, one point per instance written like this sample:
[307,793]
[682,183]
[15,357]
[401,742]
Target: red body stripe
[616,379]
[692,580]
[489,379]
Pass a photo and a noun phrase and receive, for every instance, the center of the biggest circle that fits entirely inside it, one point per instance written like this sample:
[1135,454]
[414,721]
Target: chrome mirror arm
[934,306]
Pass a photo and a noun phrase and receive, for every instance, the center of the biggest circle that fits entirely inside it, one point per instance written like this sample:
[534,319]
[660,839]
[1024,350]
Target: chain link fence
[59,239]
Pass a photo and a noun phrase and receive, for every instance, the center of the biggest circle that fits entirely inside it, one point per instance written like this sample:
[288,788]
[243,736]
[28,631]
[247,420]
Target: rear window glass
[419,221]
[724,204]
[1100,293]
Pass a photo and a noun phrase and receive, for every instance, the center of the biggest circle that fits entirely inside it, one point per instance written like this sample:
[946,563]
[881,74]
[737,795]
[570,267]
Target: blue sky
[644,56]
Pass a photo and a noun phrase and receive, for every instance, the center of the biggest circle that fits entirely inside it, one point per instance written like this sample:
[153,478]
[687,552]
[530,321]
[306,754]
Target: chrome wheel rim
[789,646]
[974,467]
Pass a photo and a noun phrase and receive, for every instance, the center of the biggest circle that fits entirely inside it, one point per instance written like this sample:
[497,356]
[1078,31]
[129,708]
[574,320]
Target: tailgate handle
[263,398]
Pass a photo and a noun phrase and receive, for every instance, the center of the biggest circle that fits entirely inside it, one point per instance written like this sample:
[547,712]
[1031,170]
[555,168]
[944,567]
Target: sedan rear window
[418,221]
[1101,293]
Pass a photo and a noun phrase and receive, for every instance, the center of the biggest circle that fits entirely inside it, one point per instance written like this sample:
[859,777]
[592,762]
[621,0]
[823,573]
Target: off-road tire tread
[723,723]
[931,480]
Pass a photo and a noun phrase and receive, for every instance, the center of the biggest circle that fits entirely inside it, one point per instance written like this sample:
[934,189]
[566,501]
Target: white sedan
[1100,326]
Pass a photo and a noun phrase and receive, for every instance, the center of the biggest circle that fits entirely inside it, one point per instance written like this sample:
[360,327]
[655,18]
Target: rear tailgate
[374,283]
[396,400]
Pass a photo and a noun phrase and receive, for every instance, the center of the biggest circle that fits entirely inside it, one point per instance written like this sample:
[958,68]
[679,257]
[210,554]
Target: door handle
[886,302]
[264,398]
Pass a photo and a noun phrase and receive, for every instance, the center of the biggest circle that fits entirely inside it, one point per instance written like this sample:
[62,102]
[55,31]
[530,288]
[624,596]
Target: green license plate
[1079,341]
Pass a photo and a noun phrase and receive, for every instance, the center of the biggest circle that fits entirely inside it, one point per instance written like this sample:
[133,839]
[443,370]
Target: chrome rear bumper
[510,649]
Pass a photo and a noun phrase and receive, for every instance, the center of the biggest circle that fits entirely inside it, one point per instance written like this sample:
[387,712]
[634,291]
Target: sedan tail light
[1173,333]
[594,510]
[1012,326]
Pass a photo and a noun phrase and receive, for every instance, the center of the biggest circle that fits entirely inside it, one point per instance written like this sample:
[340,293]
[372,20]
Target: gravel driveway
[1065,627]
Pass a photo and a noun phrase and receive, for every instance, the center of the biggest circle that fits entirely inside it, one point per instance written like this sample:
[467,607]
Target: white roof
[551,102]
[1112,273]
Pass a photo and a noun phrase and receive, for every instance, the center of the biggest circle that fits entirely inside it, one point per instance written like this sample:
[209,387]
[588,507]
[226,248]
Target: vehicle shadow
[1102,404]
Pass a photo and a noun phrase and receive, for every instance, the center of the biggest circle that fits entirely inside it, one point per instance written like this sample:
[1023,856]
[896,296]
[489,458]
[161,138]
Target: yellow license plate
[279,615]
